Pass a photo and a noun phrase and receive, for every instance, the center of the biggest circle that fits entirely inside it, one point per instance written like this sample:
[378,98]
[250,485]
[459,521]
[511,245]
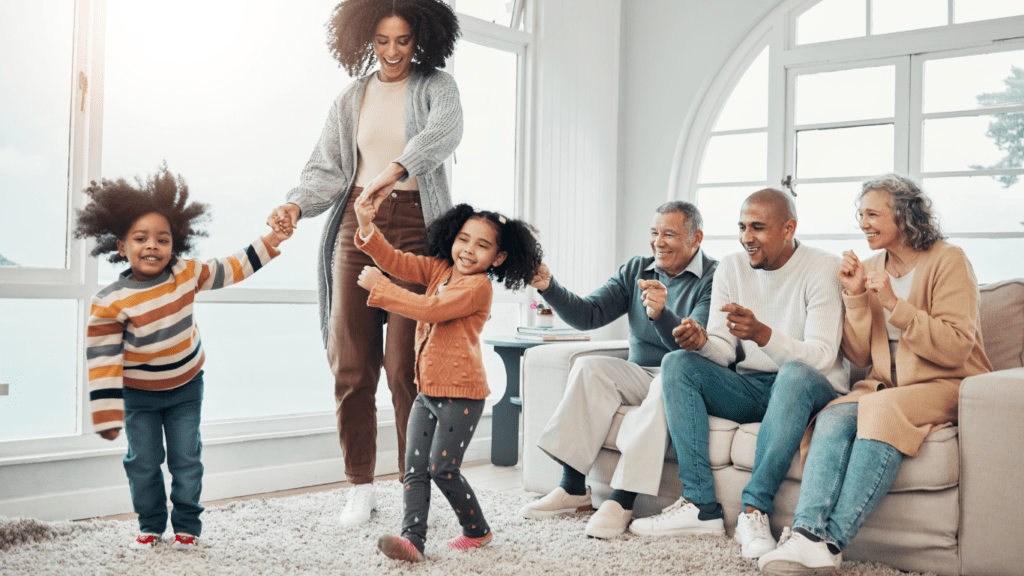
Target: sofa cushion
[936,467]
[1002,315]
[719,442]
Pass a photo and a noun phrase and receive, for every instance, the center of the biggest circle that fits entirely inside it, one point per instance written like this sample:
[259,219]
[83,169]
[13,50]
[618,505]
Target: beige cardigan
[939,346]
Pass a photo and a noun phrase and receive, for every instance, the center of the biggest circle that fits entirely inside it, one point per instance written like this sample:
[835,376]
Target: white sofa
[957,508]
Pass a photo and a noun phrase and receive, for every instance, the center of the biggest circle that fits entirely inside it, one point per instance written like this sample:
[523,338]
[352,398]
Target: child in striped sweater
[466,249]
[143,350]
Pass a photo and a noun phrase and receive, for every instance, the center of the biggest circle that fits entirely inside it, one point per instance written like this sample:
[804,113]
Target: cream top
[380,137]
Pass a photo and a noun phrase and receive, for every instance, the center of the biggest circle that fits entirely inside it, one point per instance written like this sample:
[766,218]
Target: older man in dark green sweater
[655,293]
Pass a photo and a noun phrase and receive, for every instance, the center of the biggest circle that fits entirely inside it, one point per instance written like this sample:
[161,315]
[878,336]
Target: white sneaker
[754,534]
[359,507]
[797,555]
[145,541]
[556,502]
[680,518]
[609,521]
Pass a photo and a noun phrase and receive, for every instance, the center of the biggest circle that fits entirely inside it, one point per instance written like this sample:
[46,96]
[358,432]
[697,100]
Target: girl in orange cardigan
[467,249]
[912,313]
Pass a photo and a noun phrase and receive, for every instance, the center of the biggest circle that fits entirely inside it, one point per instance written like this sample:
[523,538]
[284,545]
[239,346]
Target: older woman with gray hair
[912,313]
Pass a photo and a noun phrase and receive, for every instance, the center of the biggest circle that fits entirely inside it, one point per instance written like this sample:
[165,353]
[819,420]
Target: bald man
[770,354]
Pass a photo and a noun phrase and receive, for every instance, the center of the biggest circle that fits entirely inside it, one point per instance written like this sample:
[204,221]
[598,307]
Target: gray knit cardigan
[433,129]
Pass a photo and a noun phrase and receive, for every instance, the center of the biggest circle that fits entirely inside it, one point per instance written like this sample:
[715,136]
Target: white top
[900,287]
[380,137]
[802,304]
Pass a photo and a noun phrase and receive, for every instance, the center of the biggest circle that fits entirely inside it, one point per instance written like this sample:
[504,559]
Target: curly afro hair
[515,237]
[115,205]
[353,23]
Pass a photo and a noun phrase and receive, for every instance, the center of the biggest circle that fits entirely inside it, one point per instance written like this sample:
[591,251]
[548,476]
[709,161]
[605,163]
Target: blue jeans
[148,416]
[845,477]
[798,393]
[695,388]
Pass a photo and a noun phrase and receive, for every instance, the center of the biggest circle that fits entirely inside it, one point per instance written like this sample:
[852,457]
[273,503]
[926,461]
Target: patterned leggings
[439,433]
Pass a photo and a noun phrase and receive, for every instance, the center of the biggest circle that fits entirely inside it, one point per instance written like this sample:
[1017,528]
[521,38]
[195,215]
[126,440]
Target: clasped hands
[855,280]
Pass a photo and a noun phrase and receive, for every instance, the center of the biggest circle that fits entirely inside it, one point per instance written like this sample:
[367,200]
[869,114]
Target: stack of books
[538,334]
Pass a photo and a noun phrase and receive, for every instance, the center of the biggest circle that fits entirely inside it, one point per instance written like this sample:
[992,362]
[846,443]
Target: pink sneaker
[399,549]
[467,543]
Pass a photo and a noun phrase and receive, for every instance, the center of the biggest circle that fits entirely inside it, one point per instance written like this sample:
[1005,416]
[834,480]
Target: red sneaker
[145,541]
[183,541]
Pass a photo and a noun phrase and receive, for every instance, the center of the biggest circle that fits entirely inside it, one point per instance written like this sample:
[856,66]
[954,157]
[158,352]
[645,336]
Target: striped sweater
[143,334]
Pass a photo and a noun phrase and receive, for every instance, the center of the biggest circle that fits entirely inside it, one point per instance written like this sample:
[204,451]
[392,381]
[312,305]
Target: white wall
[576,139]
[671,49]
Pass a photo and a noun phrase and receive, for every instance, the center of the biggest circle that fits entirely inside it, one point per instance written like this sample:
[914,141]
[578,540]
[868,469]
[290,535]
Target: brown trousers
[357,345]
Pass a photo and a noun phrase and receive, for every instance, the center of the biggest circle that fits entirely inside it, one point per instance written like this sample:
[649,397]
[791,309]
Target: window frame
[777,31]
[78,280]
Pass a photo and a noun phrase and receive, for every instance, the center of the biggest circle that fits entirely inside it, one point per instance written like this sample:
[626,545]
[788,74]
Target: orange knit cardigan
[940,345]
[448,358]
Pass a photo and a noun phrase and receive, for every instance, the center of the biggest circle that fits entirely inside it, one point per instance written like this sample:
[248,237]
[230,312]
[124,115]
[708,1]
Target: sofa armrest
[545,376]
[992,472]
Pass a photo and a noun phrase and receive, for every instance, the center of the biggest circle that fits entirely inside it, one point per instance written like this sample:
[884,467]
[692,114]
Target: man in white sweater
[770,354]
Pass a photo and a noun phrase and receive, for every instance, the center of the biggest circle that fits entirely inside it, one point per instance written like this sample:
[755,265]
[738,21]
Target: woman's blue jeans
[695,387]
[845,477]
[148,417]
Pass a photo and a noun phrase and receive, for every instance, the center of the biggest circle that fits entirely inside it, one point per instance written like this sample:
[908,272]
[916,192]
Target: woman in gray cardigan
[387,136]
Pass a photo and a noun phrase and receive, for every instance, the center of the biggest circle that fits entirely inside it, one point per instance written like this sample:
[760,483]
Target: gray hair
[694,221]
[911,208]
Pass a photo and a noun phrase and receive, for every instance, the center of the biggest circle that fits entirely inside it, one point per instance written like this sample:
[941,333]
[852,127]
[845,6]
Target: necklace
[900,270]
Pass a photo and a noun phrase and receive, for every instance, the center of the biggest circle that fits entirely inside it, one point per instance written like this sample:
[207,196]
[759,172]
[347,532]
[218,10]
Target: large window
[865,87]
[232,95]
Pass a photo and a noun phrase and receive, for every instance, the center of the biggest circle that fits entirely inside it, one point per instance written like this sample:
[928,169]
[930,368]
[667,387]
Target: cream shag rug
[301,535]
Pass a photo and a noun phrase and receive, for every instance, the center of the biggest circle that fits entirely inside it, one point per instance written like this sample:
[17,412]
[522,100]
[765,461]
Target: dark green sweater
[649,340]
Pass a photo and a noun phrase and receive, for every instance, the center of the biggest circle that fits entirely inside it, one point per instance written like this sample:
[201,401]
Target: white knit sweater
[802,304]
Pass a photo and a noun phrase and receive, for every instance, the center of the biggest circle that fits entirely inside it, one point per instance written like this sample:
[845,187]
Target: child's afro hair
[351,29]
[515,237]
[115,205]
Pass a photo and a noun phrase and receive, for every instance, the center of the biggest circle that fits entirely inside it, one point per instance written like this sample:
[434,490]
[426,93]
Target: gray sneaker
[558,501]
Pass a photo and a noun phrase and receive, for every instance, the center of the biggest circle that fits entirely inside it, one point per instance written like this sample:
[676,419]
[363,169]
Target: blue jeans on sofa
[845,477]
[695,388]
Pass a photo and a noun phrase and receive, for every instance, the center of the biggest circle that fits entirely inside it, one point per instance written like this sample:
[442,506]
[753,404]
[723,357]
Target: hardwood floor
[481,474]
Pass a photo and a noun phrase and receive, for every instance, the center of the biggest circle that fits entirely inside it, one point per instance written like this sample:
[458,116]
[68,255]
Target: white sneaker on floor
[798,555]
[609,521]
[678,519]
[359,505]
[145,541]
[753,534]
[556,502]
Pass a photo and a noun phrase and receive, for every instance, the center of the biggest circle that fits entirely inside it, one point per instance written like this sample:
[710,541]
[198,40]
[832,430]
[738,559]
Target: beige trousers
[597,386]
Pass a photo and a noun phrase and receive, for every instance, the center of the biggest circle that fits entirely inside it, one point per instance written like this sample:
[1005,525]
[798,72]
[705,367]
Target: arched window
[825,94]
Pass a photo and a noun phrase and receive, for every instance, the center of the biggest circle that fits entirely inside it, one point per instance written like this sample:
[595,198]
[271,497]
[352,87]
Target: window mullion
[904,103]
[914,119]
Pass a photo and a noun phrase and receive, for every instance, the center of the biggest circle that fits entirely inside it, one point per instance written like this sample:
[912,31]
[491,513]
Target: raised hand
[851,274]
[284,219]
[878,283]
[690,335]
[369,277]
[542,278]
[365,213]
[653,294]
[742,324]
